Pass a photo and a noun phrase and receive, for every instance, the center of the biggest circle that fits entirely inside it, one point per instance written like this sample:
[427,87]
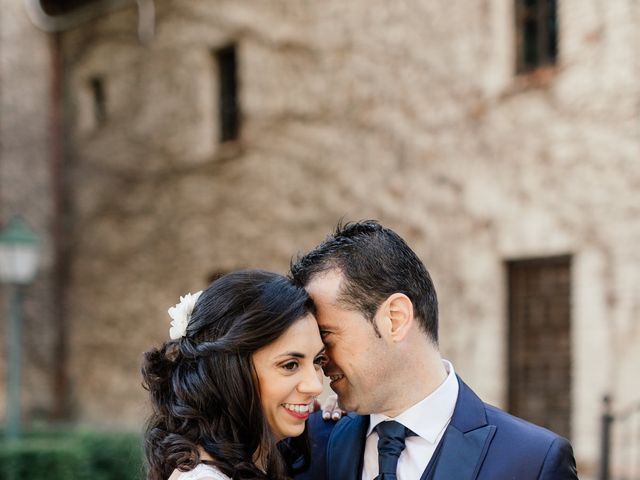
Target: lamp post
[19,258]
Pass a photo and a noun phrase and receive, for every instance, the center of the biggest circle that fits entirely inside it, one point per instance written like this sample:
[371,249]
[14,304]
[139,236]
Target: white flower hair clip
[181,314]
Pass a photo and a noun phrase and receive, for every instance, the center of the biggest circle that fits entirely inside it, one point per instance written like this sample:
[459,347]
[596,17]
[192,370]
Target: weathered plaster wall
[408,112]
[25,189]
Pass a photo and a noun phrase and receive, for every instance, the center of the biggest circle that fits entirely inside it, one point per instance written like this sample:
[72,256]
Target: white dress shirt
[428,419]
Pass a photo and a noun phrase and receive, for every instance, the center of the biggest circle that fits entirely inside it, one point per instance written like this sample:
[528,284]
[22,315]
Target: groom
[413,417]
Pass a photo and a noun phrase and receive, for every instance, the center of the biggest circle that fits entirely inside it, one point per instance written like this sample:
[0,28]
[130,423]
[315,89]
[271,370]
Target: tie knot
[393,430]
[390,445]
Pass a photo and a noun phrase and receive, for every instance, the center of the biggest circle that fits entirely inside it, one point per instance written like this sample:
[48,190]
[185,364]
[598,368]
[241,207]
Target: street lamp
[19,258]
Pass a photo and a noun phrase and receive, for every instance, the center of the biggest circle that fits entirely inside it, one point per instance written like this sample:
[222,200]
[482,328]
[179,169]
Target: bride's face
[289,373]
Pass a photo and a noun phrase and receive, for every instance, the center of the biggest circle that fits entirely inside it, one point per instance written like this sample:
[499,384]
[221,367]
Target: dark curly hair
[203,388]
[375,262]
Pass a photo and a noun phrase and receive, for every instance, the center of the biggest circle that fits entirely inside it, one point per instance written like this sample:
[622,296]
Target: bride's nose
[311,382]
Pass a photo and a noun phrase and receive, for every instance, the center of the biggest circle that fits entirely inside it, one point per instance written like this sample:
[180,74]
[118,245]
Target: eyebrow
[326,331]
[292,354]
[300,355]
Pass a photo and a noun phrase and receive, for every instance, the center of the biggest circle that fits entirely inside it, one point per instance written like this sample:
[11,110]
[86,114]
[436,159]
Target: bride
[238,376]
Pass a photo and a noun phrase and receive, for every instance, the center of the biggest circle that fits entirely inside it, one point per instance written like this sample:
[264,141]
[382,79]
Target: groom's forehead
[326,287]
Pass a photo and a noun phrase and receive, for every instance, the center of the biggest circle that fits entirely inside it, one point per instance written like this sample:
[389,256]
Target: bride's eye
[290,366]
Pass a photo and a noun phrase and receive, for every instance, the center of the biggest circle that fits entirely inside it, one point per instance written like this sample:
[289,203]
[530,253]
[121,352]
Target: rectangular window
[99,100]
[63,7]
[537,34]
[228,108]
[540,341]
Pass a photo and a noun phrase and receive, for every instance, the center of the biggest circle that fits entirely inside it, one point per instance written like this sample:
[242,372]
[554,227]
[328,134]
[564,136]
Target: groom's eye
[321,360]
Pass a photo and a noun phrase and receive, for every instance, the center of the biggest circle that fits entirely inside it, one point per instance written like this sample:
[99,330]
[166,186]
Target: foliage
[72,454]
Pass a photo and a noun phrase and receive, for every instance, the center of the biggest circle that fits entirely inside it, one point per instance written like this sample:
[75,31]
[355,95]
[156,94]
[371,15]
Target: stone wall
[408,112]
[26,189]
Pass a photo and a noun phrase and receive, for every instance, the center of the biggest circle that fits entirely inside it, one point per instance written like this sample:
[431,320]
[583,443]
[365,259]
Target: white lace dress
[201,472]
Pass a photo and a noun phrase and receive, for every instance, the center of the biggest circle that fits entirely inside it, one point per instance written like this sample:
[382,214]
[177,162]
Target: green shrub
[42,459]
[72,455]
[113,456]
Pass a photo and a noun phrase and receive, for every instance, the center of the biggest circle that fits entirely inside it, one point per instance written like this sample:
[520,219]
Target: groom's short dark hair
[376,263]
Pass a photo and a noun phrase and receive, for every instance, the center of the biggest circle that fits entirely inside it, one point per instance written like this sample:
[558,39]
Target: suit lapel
[462,453]
[466,440]
[345,448]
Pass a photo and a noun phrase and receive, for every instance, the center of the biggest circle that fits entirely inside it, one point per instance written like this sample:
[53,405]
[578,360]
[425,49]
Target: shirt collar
[430,416]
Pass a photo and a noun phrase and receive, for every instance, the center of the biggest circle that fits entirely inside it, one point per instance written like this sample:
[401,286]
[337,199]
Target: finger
[331,403]
[328,406]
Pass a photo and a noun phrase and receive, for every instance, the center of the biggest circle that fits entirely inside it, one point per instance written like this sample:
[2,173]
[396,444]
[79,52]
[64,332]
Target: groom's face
[356,365]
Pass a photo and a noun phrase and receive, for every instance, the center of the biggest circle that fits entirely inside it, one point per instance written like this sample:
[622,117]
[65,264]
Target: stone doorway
[540,341]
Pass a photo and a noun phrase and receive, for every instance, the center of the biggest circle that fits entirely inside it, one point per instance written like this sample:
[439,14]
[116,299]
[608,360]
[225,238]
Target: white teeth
[296,407]
[335,377]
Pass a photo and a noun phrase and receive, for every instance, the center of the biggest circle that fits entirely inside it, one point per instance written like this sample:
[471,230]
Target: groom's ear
[399,310]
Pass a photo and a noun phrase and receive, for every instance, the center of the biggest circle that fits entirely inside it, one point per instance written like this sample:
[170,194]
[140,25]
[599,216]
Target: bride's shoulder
[201,472]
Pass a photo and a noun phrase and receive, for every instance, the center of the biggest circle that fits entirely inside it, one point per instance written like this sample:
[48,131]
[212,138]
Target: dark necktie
[391,437]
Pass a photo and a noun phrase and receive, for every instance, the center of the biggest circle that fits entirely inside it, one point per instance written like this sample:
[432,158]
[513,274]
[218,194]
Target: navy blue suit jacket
[480,443]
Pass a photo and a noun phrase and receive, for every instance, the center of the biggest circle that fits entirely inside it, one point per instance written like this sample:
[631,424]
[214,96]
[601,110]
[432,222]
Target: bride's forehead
[302,336]
[302,331]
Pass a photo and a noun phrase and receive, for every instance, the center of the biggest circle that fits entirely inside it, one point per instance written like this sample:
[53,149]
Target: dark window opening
[99,100]
[62,7]
[540,341]
[228,108]
[537,34]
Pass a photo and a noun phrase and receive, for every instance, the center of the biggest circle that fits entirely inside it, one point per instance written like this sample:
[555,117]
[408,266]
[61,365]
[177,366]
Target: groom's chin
[346,404]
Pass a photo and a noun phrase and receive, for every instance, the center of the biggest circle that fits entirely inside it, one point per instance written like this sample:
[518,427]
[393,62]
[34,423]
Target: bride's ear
[399,311]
